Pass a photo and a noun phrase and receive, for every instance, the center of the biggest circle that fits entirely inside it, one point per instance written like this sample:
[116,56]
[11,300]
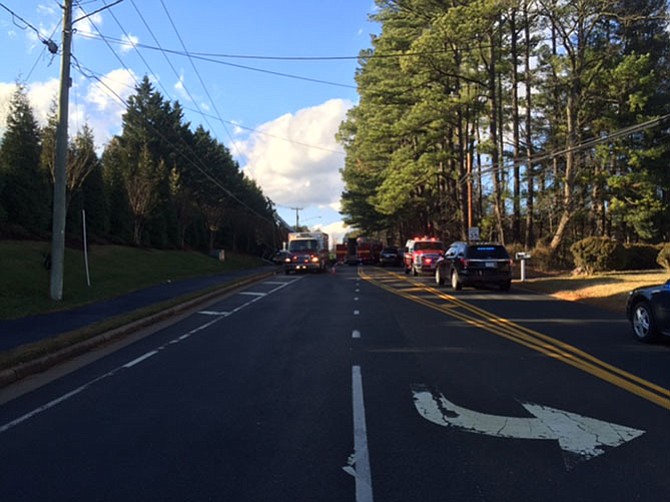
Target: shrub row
[600,254]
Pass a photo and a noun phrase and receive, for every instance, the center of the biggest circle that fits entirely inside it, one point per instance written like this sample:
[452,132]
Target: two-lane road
[356,385]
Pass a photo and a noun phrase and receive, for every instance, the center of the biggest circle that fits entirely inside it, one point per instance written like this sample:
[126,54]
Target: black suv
[475,264]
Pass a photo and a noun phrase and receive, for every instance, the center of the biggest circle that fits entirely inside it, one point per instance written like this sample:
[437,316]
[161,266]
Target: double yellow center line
[453,306]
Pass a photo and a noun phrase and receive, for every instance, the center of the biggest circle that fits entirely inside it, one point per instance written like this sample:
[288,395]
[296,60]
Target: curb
[28,368]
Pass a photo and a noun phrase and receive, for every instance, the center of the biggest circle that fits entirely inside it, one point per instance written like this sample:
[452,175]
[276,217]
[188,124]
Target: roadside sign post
[523,257]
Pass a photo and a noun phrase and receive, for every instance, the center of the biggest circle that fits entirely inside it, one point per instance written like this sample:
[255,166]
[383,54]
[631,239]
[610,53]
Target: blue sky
[279,128]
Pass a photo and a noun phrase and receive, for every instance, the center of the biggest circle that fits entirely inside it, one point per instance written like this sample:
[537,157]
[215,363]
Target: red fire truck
[363,250]
[421,254]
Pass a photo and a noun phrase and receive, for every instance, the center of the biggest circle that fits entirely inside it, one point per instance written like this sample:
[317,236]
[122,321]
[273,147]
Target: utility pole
[297,217]
[60,165]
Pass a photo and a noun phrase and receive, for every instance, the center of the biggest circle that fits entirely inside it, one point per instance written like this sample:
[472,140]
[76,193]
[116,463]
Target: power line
[225,63]
[167,59]
[51,45]
[194,160]
[202,83]
[160,83]
[626,131]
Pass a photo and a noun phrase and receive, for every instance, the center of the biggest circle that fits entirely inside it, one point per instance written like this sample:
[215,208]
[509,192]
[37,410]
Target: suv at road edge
[475,264]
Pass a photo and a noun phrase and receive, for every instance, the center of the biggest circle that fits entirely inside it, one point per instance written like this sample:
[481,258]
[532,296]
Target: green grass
[114,270]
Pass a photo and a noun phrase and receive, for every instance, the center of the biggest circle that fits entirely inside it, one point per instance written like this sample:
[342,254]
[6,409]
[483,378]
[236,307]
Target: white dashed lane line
[217,316]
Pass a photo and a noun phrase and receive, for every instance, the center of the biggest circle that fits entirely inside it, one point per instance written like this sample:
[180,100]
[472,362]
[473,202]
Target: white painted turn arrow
[580,438]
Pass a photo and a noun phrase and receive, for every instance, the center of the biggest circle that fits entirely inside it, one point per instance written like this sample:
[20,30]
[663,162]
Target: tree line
[157,184]
[538,121]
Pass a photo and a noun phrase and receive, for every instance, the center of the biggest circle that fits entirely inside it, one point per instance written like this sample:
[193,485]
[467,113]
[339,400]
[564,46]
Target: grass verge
[608,290]
[114,270]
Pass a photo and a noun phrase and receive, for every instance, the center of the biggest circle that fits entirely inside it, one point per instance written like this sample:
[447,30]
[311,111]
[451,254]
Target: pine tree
[25,196]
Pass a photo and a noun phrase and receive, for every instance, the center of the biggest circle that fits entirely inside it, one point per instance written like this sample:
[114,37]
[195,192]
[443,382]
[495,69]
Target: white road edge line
[140,359]
[65,397]
[361,457]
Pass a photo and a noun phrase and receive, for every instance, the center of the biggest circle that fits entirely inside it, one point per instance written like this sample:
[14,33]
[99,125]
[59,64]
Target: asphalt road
[358,386]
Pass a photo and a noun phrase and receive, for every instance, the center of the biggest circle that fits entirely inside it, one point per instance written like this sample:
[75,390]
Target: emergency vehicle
[363,250]
[308,251]
[340,253]
[421,255]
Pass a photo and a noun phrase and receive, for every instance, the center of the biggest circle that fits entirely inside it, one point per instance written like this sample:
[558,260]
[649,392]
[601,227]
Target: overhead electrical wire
[195,161]
[202,83]
[204,115]
[88,74]
[539,157]
[226,63]
[49,44]
[146,63]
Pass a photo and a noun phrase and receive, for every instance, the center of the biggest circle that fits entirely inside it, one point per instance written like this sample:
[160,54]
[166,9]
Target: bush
[598,254]
[663,258]
[641,256]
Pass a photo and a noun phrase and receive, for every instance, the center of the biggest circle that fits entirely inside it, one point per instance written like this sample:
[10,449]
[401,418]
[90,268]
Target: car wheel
[439,279]
[644,325]
[455,283]
[504,286]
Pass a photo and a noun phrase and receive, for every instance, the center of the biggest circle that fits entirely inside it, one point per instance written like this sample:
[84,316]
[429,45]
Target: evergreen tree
[25,196]
[120,215]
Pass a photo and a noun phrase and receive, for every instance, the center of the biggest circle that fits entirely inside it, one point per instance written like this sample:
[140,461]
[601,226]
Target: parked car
[389,256]
[476,264]
[648,310]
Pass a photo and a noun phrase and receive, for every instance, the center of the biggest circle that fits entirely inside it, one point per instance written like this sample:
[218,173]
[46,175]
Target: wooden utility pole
[60,165]
[297,217]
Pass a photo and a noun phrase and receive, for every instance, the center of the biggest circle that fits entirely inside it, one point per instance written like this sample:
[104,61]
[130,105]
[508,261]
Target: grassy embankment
[607,290]
[24,281]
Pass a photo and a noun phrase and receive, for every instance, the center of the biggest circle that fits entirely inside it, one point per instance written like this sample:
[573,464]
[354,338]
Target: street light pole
[60,164]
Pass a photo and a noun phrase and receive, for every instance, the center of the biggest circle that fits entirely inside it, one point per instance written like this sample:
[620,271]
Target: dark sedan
[389,256]
[648,310]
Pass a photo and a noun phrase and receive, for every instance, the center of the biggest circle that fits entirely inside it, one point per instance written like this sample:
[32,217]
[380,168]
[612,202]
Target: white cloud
[181,89]
[41,96]
[336,232]
[130,42]
[295,158]
[103,106]
[87,24]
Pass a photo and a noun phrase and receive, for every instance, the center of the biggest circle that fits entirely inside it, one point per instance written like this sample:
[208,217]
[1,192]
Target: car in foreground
[475,264]
[648,310]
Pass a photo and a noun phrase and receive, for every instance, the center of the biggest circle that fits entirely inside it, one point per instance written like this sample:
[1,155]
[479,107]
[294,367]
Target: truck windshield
[303,245]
